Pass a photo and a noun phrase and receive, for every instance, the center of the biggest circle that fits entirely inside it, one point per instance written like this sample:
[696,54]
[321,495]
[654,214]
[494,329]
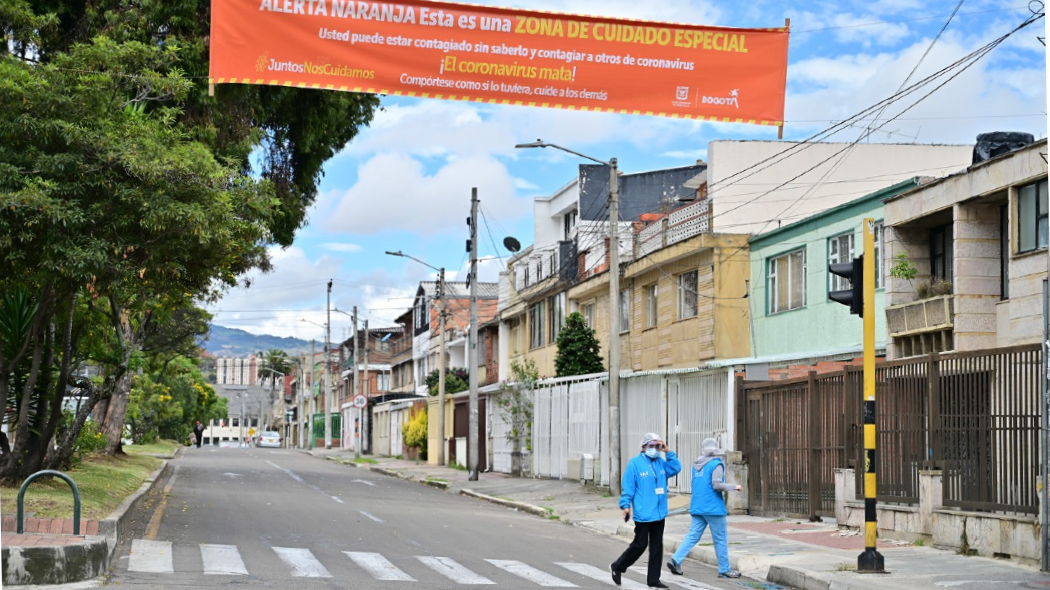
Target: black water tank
[997,143]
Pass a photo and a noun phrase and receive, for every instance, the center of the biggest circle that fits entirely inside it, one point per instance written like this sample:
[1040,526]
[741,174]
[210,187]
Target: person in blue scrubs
[644,487]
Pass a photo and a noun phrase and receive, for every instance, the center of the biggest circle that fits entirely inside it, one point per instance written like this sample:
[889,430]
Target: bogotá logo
[260,64]
[731,100]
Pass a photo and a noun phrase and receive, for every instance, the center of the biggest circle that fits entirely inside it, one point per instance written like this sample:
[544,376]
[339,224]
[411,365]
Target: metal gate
[792,436]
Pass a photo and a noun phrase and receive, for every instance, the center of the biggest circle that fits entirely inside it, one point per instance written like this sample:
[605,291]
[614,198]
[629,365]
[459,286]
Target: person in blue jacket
[644,486]
[708,509]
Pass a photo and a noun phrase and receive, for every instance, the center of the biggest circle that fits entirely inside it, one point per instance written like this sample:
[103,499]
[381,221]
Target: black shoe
[659,585]
[615,575]
[729,574]
[675,568]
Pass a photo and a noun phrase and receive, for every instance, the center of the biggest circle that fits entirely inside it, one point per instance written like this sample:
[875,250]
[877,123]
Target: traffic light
[854,296]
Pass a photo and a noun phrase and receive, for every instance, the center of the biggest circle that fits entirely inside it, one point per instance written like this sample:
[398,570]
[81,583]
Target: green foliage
[516,403]
[272,365]
[88,440]
[416,433]
[579,352]
[934,288]
[456,380]
[903,267]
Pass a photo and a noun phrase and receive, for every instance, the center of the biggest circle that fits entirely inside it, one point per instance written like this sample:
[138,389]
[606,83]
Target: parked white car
[270,439]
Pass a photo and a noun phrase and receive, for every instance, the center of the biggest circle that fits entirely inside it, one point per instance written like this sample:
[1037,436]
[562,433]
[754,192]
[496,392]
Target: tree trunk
[113,424]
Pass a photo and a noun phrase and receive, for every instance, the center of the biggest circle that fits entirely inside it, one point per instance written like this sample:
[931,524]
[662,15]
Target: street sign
[251,432]
[360,402]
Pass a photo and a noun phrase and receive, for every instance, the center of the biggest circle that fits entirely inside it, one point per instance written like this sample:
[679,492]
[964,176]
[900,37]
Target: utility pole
[302,400]
[240,421]
[441,366]
[614,328]
[367,387]
[472,342]
[357,383]
[327,372]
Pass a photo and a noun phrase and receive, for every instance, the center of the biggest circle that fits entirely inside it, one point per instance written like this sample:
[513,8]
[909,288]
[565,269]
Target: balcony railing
[681,224]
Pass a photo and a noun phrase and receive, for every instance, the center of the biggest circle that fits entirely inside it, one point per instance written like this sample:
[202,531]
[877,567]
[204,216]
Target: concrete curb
[531,509]
[61,564]
[65,564]
[805,579]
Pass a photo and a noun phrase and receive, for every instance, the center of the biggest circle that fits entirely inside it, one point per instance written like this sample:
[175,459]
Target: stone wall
[1014,537]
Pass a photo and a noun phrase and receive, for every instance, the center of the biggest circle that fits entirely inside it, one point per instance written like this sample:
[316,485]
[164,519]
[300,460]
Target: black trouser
[200,439]
[646,534]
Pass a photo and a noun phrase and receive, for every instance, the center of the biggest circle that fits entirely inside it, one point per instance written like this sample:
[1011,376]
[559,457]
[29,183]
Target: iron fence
[972,415]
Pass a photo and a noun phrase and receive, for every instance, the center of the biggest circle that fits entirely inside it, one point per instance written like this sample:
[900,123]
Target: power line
[908,20]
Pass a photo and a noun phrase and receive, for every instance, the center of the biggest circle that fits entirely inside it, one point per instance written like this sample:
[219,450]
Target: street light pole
[441,367]
[614,309]
[441,352]
[327,372]
[472,345]
[614,328]
[357,382]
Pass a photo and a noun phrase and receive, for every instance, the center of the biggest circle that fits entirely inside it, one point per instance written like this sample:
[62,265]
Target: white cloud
[395,193]
[338,247]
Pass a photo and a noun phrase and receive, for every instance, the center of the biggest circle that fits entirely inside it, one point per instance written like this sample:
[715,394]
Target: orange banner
[453,51]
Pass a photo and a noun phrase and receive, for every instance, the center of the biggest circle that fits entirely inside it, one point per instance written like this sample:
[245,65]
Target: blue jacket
[641,478]
[706,500]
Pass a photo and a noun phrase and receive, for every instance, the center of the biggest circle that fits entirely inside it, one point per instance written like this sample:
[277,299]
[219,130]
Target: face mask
[652,453]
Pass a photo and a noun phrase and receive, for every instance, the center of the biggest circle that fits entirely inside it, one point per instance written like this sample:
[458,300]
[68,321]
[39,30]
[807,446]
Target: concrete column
[931,497]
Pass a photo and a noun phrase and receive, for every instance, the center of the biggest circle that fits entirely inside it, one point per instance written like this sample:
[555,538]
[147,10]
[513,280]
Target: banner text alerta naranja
[503,56]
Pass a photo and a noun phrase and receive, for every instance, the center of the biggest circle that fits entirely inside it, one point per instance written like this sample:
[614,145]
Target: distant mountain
[231,342]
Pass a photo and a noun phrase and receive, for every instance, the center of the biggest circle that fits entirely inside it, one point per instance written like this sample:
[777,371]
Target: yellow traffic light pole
[871,561]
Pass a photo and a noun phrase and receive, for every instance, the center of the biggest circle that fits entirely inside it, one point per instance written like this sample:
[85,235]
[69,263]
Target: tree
[579,352]
[127,194]
[516,403]
[416,434]
[273,363]
[456,380]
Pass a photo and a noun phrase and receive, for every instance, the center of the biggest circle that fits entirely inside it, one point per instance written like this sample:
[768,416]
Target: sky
[404,183]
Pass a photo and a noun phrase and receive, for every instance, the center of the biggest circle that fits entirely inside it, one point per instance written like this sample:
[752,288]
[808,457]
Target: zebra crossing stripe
[676,580]
[150,557]
[302,562]
[452,570]
[222,560]
[601,575]
[531,574]
[379,566]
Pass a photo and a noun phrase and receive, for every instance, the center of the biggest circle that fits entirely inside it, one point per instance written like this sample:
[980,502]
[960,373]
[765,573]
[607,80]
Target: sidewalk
[799,554]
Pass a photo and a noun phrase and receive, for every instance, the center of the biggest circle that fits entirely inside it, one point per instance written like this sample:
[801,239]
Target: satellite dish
[511,244]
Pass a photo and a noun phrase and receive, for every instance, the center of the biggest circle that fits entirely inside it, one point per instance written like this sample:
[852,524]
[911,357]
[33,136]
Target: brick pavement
[47,528]
[814,534]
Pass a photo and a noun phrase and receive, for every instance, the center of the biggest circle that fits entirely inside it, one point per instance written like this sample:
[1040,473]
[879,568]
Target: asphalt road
[274,518]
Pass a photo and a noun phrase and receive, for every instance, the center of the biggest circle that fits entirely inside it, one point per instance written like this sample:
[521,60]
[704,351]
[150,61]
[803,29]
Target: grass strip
[104,482]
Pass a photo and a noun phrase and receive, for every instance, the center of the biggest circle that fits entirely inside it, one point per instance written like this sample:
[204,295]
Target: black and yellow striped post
[871,561]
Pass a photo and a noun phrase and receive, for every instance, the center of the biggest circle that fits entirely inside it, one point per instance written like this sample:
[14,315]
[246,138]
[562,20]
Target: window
[880,280]
[1004,253]
[651,317]
[1031,217]
[557,315]
[383,382]
[840,251]
[569,222]
[515,337]
[625,310]
[536,325]
[787,281]
[687,286]
[587,309]
[941,252]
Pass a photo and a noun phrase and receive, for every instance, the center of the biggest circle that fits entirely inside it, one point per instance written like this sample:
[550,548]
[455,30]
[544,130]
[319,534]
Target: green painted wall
[821,324]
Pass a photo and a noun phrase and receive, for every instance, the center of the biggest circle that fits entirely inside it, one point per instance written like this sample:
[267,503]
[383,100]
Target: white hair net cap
[650,437]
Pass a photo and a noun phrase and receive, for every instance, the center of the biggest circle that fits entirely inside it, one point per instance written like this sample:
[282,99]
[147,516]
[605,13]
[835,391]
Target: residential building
[981,236]
[793,318]
[402,367]
[236,371]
